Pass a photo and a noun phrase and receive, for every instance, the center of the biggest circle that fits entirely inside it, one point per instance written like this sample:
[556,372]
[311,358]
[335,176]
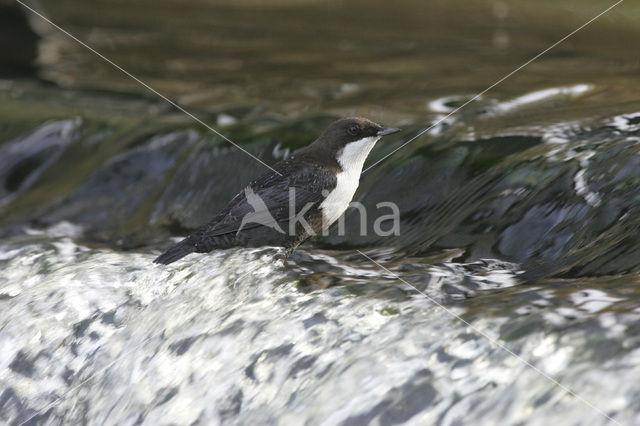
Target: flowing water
[510,296]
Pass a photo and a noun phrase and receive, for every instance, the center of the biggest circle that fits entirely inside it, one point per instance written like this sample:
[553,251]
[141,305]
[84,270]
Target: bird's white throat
[351,159]
[354,154]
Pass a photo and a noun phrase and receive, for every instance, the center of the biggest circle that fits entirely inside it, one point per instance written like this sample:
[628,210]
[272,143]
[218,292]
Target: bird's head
[350,140]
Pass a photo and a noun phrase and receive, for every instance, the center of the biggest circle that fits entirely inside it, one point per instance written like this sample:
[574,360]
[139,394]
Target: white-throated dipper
[310,191]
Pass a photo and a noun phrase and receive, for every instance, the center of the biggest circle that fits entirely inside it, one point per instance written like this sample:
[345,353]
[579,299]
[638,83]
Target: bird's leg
[288,252]
[283,256]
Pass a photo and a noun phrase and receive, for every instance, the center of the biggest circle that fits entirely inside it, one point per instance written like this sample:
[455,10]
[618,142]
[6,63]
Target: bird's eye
[353,130]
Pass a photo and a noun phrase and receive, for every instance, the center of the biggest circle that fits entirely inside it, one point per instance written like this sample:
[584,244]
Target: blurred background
[520,212]
[307,56]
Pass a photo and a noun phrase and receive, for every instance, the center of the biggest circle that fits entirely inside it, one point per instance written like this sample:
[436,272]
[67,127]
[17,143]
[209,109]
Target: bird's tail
[176,252]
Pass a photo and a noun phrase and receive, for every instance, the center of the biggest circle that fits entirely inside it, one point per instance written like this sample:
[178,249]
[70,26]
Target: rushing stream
[510,296]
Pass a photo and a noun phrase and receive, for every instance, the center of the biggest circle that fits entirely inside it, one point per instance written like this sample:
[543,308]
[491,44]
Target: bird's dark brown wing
[269,197]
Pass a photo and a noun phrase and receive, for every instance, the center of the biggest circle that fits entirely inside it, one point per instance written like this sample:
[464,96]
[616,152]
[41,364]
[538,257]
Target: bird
[300,197]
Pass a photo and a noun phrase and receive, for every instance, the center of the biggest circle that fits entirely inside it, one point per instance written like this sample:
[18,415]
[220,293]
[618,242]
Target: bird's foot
[283,256]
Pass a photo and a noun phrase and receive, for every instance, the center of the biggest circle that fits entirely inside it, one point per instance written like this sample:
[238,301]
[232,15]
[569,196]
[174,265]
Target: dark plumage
[312,173]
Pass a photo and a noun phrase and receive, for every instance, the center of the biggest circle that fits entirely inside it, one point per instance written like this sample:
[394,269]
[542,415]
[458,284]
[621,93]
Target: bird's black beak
[387,131]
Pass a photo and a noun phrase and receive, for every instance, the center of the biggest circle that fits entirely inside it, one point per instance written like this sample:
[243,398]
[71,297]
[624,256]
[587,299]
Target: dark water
[519,213]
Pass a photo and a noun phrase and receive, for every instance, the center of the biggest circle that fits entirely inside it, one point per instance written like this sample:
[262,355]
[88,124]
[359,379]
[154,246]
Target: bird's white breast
[351,159]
